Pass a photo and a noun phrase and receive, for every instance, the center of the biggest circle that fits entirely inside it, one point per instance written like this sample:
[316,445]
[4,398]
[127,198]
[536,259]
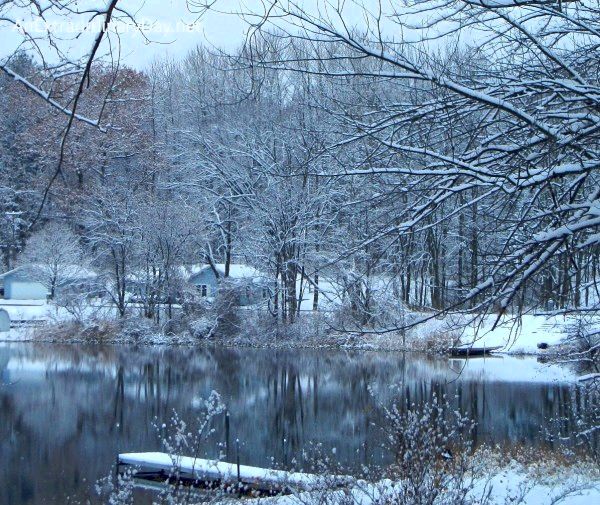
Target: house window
[265,293]
[203,288]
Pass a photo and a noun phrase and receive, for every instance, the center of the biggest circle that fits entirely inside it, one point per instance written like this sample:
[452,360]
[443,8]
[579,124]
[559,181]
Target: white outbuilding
[24,282]
[19,284]
[4,320]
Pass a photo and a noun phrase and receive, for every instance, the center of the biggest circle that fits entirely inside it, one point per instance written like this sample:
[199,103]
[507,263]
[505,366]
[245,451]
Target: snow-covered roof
[236,270]
[66,272]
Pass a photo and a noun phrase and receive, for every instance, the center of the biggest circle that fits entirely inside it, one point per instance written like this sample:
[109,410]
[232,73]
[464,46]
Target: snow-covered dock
[212,473]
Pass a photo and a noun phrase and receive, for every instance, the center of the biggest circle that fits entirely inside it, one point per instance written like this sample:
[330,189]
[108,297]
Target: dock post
[227,434]
[117,473]
[237,462]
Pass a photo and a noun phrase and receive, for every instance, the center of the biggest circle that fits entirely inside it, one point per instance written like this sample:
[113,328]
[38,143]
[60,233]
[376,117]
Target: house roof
[236,270]
[67,272]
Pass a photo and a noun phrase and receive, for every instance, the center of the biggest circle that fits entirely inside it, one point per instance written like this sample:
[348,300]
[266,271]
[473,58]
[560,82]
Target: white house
[23,282]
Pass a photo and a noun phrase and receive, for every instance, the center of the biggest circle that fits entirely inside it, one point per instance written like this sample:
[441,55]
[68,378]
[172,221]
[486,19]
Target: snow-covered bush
[178,438]
[225,310]
[582,346]
[218,316]
[581,350]
[433,463]
[136,329]
[202,327]
[579,427]
[432,448]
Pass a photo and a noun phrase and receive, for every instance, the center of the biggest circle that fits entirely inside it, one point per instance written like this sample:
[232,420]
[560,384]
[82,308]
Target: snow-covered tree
[54,257]
[508,125]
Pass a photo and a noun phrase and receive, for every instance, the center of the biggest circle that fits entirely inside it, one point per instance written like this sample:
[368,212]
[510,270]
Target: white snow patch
[518,337]
[511,484]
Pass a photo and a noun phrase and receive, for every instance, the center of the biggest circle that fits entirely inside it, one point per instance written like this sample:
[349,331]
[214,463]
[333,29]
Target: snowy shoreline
[531,335]
[349,342]
[528,483]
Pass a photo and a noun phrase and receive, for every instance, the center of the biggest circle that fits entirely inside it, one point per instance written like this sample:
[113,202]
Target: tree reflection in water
[71,409]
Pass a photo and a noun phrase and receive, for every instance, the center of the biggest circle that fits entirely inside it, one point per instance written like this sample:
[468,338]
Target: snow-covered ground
[514,336]
[28,310]
[514,483]
[31,314]
[518,336]
[329,295]
[565,486]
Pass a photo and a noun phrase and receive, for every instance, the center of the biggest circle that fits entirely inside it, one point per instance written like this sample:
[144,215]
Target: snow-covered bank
[492,483]
[568,486]
[525,335]
[541,481]
[514,484]
[531,334]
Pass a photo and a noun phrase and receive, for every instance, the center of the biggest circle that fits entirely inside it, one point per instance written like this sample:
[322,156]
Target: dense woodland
[460,176]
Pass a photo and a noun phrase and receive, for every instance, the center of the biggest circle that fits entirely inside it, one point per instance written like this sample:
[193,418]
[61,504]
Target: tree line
[398,174]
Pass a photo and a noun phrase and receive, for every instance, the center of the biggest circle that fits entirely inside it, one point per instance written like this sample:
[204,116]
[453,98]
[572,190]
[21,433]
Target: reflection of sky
[493,368]
[510,369]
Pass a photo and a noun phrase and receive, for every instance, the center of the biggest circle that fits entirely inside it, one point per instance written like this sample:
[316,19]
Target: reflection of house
[250,285]
[31,282]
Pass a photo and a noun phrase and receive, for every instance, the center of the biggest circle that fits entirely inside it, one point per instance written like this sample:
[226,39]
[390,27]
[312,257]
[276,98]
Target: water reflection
[67,411]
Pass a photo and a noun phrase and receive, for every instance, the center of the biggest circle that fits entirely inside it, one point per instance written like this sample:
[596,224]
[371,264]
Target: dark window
[203,288]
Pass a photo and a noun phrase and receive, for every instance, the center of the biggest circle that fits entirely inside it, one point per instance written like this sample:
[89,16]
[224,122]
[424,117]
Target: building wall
[248,292]
[208,278]
[15,289]
[4,320]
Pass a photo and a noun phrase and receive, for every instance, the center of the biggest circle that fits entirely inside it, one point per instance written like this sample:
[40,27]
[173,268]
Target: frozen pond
[67,411]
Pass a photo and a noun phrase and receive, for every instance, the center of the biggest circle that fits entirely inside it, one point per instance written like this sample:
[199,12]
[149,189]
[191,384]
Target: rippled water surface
[67,411]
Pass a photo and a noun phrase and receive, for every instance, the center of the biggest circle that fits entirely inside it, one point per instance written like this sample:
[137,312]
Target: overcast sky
[174,29]
[170,28]
[169,24]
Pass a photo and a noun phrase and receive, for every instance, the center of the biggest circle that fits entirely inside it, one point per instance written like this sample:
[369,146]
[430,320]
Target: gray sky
[174,30]
[170,28]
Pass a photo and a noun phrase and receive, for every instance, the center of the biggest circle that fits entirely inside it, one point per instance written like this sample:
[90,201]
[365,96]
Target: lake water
[67,411]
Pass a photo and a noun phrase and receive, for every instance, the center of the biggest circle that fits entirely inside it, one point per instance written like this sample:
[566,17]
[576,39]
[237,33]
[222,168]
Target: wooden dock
[221,475]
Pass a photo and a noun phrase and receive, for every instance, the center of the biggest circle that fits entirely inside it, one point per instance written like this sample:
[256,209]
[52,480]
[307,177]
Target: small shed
[19,285]
[4,320]
[23,282]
